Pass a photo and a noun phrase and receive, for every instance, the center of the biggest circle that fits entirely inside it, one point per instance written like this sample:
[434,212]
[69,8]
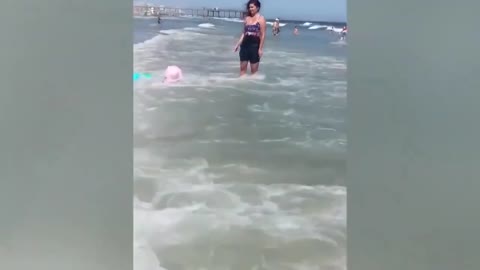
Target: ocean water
[239,173]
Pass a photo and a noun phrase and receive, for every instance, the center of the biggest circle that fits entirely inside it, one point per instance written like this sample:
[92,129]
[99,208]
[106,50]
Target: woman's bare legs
[254,67]
[243,67]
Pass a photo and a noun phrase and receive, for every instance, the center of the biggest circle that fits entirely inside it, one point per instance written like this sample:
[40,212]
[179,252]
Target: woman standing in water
[252,39]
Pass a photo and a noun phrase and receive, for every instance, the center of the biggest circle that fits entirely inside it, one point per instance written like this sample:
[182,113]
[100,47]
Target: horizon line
[136,3]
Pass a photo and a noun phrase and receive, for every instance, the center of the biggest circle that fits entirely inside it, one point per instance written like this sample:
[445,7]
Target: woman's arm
[240,40]
[263,31]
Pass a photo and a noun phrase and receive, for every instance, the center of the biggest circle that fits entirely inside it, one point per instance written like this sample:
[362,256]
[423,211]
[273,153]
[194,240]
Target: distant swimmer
[252,39]
[276,27]
[295,30]
[343,34]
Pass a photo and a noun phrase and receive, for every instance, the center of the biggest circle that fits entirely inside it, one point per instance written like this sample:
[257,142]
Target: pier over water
[194,12]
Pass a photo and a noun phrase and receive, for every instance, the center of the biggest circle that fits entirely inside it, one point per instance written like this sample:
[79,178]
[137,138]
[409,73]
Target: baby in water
[173,74]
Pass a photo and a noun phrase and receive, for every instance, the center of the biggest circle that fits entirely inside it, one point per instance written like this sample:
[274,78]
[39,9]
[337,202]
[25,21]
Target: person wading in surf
[276,27]
[252,39]
[343,34]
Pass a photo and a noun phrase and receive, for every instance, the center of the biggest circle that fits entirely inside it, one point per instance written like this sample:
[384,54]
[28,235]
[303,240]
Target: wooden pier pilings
[194,12]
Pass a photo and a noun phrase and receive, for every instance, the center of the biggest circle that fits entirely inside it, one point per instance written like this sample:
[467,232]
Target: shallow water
[239,173]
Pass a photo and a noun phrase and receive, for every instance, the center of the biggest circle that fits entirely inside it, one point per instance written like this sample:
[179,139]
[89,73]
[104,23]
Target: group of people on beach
[252,39]
[251,42]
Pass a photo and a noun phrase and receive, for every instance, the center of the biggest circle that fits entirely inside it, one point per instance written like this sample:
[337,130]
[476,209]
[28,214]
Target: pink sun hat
[173,74]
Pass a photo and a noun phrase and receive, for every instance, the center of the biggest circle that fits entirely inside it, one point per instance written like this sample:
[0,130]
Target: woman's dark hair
[255,2]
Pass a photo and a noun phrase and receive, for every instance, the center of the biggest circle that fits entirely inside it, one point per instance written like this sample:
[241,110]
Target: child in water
[172,74]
